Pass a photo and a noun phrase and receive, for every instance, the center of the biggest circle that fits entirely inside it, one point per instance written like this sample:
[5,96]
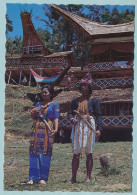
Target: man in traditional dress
[82,113]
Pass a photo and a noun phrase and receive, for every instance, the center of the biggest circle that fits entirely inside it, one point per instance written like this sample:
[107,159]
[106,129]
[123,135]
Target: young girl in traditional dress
[45,126]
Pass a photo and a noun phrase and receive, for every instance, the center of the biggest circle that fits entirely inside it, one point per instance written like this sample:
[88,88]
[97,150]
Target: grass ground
[16,168]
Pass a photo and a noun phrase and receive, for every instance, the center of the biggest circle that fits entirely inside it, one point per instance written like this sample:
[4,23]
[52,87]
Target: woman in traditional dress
[82,113]
[45,116]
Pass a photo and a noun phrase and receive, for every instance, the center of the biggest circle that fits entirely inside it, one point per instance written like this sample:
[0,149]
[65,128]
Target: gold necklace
[45,106]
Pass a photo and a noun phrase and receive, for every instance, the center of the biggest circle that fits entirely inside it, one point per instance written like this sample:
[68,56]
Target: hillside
[16,121]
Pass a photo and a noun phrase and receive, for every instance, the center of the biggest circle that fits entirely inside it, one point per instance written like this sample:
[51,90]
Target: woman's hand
[53,132]
[74,121]
[98,134]
[56,121]
[35,110]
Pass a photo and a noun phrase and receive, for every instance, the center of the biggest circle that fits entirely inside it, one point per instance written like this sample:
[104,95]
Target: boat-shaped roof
[95,29]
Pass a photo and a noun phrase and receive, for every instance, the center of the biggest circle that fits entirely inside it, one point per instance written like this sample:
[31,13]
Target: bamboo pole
[85,120]
[9,77]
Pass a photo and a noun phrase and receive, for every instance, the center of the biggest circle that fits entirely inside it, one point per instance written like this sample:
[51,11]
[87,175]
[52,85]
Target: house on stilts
[35,56]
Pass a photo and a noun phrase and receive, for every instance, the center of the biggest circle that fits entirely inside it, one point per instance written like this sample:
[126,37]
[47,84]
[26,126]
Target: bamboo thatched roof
[104,95]
[95,29]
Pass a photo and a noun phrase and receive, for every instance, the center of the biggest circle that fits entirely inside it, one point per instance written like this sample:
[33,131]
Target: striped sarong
[82,136]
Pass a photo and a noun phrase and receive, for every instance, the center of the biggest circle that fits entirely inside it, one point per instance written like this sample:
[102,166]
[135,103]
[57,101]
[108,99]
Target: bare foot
[42,182]
[30,182]
[71,181]
[88,180]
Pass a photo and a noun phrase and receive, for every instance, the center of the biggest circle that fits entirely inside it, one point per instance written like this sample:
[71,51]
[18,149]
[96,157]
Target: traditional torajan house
[37,56]
[111,66]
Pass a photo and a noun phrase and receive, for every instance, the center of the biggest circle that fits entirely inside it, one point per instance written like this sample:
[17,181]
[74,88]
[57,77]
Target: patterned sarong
[41,139]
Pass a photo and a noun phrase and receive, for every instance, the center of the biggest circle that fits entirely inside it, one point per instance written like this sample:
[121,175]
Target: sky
[13,11]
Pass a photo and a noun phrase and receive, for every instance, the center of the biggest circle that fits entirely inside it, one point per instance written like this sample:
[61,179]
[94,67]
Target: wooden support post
[20,76]
[110,109]
[9,76]
[40,72]
[37,85]
[30,79]
[110,55]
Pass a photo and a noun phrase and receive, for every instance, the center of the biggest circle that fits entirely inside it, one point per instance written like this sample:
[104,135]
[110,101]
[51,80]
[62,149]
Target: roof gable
[94,29]
[30,36]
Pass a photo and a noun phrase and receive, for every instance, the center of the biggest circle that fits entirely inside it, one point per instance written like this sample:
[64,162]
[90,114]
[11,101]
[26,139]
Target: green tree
[117,17]
[9,46]
[17,44]
[48,40]
[106,16]
[127,16]
[13,46]
[95,12]
[9,25]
